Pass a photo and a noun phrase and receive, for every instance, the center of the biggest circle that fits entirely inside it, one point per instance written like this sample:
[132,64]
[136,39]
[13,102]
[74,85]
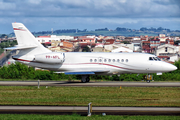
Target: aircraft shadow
[71,82]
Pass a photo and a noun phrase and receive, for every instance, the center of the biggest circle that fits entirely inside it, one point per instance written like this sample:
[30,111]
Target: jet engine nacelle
[52,58]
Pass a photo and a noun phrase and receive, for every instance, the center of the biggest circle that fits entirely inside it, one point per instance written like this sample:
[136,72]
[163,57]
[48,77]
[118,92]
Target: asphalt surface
[77,83]
[95,110]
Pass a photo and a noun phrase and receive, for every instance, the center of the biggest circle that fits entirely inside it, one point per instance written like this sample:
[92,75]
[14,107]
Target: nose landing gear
[148,78]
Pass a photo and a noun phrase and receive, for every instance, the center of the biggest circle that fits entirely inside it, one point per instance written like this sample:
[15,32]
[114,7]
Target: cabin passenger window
[91,60]
[113,60]
[105,60]
[95,60]
[118,60]
[109,60]
[100,60]
[126,60]
[122,60]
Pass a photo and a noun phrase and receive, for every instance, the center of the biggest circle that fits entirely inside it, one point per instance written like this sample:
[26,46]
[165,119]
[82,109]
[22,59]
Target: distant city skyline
[43,15]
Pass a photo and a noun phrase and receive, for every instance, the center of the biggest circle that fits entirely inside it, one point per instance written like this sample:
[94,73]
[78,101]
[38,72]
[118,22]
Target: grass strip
[99,96]
[78,117]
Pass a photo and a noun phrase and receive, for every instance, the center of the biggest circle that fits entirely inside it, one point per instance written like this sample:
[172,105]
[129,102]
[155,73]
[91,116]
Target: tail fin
[27,43]
[25,38]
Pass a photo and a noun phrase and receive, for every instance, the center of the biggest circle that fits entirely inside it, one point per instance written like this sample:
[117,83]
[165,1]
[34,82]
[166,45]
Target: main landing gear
[85,78]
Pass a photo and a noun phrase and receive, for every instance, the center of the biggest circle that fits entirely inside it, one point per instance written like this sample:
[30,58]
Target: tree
[177,42]
[86,49]
[143,29]
[4,36]
[177,64]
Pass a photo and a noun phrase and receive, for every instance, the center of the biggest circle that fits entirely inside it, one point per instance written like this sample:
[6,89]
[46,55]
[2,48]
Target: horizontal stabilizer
[19,47]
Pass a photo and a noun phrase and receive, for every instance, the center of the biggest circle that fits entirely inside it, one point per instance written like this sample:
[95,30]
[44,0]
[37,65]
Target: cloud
[34,1]
[90,23]
[6,6]
[90,14]
[92,8]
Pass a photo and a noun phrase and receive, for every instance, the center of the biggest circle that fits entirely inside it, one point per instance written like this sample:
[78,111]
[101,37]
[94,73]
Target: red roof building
[146,46]
[43,36]
[154,43]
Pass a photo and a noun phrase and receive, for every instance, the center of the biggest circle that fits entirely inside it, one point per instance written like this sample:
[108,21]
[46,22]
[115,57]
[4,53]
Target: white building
[163,39]
[137,45]
[119,47]
[162,35]
[44,39]
[166,50]
[122,49]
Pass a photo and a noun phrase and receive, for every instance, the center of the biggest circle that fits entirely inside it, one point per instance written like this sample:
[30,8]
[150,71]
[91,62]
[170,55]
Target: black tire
[148,81]
[87,79]
[83,81]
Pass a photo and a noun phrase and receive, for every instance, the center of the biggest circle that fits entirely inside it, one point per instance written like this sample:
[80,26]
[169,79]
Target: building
[44,39]
[154,43]
[128,39]
[166,50]
[162,35]
[91,39]
[146,46]
[137,45]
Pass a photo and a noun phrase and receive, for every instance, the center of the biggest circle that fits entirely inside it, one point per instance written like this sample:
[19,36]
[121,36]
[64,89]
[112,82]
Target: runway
[96,84]
[95,110]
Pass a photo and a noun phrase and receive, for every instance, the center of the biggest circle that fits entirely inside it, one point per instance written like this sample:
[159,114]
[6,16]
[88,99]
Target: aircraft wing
[79,73]
[84,72]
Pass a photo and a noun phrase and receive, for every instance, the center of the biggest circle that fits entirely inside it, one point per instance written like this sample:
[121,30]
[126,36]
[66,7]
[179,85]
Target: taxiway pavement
[102,83]
[95,110]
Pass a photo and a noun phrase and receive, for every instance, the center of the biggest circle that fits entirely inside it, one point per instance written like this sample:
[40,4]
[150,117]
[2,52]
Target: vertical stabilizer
[23,35]
[26,40]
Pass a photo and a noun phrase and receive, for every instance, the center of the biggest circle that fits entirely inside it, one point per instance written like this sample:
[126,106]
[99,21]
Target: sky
[43,15]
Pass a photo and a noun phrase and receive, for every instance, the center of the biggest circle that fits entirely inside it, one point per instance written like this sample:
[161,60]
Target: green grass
[78,117]
[99,96]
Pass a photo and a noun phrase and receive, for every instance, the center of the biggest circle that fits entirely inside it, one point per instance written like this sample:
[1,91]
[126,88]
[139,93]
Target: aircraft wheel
[83,80]
[87,79]
[148,81]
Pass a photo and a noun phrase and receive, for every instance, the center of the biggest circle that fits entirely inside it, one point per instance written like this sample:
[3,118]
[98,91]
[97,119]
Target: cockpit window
[150,58]
[158,58]
[154,59]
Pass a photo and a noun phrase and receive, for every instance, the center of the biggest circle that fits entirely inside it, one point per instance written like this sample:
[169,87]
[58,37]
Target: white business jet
[32,53]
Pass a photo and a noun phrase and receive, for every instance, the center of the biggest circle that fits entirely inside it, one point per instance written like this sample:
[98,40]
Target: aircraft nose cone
[173,67]
[170,67]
